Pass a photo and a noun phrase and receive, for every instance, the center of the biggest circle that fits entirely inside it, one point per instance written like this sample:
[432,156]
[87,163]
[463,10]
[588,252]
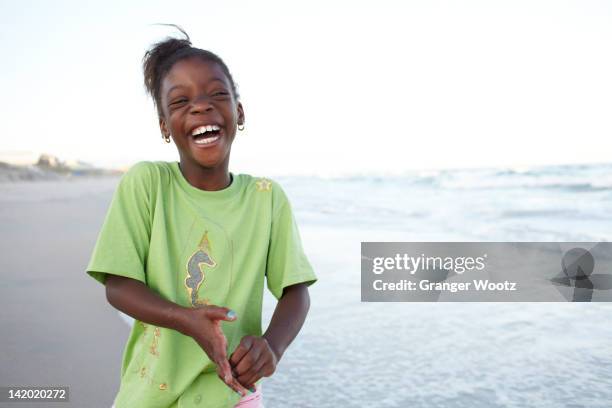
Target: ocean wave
[571,178]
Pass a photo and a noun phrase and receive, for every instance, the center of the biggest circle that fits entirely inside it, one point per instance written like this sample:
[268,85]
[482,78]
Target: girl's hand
[203,324]
[252,360]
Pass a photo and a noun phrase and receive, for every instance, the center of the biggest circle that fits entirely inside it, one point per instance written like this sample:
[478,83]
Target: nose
[201,104]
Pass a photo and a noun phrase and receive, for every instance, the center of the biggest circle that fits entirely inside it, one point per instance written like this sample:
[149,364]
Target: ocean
[451,355]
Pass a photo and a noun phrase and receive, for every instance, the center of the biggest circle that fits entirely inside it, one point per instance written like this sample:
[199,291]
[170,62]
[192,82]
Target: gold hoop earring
[166,138]
[241,127]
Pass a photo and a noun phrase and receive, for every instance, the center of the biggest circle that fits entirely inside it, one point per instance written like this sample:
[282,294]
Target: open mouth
[205,135]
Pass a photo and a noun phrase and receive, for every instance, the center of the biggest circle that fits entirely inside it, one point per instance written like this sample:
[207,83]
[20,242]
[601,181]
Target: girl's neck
[205,178]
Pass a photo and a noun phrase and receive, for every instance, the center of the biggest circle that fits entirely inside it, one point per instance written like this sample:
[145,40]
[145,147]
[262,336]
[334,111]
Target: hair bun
[159,52]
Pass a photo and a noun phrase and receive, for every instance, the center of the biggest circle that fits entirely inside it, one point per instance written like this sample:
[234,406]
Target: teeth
[203,129]
[206,141]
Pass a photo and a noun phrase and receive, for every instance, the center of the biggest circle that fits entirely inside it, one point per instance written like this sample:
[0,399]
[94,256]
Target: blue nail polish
[231,314]
[252,389]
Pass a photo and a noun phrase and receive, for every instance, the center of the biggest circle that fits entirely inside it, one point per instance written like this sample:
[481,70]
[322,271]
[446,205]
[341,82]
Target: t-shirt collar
[195,192]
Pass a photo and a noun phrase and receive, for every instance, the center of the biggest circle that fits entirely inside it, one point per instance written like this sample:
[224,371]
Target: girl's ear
[240,114]
[164,129]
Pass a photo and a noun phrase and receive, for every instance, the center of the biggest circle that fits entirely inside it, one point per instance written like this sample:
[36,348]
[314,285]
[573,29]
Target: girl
[186,246]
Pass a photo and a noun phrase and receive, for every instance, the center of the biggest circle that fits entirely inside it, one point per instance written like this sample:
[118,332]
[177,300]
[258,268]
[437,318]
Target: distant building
[17,165]
[46,160]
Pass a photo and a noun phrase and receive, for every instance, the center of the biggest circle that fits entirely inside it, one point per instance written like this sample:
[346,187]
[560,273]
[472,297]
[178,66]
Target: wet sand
[57,328]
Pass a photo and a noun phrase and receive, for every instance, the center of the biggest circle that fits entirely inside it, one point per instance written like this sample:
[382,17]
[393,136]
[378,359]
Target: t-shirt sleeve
[123,241]
[287,262]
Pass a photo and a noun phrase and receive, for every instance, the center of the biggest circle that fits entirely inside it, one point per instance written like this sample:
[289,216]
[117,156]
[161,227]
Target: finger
[220,313]
[225,374]
[239,388]
[219,357]
[234,385]
[244,377]
[243,348]
[231,381]
[252,376]
[249,359]
[251,387]
[225,371]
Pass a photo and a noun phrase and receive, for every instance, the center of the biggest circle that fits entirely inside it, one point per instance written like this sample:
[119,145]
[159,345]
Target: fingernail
[252,389]
[231,314]
[239,393]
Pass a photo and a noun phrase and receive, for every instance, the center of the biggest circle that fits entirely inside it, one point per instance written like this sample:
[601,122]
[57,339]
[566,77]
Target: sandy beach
[57,328]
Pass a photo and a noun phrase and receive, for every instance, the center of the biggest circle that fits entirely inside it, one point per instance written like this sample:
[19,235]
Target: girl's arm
[257,357]
[201,323]
[288,318]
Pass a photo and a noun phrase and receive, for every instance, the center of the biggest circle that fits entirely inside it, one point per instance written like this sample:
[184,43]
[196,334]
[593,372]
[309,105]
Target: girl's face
[196,94]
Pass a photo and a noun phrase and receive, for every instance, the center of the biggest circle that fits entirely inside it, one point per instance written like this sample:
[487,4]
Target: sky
[328,87]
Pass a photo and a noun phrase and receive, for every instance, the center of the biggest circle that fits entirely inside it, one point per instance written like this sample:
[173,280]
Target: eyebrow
[184,86]
[174,87]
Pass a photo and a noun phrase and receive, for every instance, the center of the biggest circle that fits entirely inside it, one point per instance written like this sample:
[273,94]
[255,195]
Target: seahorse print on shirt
[195,269]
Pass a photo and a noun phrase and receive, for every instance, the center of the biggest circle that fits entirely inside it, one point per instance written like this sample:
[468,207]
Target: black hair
[160,58]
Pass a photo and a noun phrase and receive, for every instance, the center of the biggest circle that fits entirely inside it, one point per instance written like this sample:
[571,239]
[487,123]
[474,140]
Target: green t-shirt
[193,247]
